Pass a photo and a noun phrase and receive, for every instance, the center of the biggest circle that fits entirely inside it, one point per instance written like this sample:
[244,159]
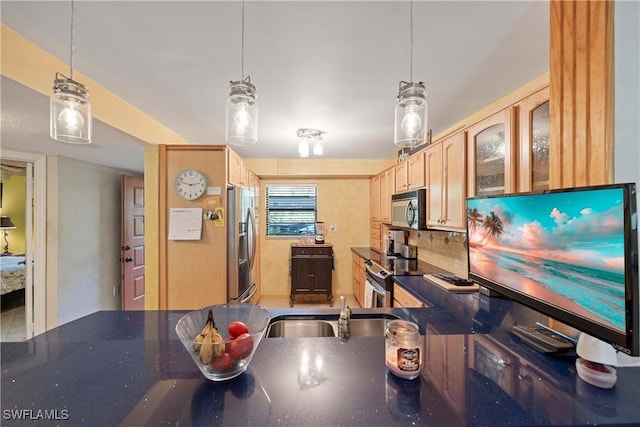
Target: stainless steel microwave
[409,210]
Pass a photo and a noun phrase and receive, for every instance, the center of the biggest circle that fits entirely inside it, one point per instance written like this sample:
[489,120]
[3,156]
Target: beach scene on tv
[566,249]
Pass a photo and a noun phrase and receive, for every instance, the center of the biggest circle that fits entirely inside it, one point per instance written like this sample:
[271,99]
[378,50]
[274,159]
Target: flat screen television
[570,254]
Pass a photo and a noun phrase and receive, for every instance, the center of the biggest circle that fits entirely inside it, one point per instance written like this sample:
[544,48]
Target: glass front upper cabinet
[534,142]
[491,155]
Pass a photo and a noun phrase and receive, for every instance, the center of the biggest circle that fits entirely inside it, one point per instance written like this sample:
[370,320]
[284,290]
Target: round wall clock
[190,184]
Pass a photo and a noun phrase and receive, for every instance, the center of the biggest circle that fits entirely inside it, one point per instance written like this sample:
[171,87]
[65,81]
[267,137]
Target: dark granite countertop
[128,368]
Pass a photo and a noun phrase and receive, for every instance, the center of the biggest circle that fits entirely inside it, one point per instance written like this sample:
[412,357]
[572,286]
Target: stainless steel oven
[378,286]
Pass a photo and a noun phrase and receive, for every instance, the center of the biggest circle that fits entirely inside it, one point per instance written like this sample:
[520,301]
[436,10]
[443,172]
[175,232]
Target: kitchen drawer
[311,251]
[404,298]
[375,234]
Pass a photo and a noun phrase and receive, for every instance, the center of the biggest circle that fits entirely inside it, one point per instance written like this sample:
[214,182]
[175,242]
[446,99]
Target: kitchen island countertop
[129,368]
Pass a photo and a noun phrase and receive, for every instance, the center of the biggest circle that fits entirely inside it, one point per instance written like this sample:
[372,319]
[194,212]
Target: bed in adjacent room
[12,274]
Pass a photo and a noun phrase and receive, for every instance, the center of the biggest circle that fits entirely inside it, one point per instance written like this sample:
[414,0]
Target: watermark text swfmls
[36,414]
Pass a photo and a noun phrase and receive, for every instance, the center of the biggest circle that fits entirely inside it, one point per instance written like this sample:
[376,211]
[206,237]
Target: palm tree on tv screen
[492,224]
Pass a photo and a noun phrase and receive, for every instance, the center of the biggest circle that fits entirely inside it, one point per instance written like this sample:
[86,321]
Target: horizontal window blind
[291,210]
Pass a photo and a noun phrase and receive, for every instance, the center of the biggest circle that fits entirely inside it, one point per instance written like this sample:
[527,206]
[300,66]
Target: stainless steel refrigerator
[241,245]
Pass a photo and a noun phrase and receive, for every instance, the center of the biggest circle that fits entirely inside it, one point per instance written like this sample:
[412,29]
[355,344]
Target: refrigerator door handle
[252,291]
[251,237]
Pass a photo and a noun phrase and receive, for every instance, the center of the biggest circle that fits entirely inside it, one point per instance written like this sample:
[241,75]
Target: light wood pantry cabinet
[387,187]
[410,174]
[357,268]
[491,156]
[533,164]
[445,163]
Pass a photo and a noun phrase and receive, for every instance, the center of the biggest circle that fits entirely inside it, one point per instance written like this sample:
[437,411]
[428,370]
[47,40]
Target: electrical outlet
[333,228]
[116,290]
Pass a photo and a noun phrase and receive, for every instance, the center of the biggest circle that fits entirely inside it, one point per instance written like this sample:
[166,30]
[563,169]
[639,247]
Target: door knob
[126,248]
[128,259]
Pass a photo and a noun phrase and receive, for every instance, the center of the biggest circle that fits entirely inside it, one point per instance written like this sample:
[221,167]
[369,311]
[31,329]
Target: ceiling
[329,65]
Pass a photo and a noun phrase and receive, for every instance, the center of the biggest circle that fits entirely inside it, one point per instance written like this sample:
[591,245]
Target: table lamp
[6,224]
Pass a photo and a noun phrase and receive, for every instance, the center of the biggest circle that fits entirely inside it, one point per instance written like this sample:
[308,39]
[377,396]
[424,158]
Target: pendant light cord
[71,50]
[242,48]
[411,39]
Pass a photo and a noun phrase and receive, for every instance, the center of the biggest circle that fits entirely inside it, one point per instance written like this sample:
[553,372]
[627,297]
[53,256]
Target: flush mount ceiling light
[242,108]
[70,111]
[411,108]
[310,137]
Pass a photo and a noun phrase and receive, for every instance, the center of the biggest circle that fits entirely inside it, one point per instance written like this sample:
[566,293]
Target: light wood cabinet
[375,234]
[387,187]
[445,163]
[491,155]
[533,162]
[358,271]
[402,298]
[235,173]
[375,198]
[410,173]
[581,68]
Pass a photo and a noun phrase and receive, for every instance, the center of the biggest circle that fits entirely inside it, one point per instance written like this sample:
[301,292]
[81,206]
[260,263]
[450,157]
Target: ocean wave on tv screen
[598,291]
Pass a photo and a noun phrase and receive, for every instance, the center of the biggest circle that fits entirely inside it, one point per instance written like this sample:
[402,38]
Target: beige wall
[342,202]
[13,205]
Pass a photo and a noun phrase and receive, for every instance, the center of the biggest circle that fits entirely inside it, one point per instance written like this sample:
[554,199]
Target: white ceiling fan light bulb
[242,114]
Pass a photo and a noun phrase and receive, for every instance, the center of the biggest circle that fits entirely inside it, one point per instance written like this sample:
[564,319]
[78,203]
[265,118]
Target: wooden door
[132,243]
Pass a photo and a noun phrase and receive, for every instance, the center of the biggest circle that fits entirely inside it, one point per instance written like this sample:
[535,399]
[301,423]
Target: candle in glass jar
[403,350]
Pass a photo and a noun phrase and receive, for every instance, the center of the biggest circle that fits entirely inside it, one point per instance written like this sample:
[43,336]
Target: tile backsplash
[444,249]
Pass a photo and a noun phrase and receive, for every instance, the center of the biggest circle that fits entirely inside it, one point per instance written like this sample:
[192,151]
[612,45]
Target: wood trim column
[581,98]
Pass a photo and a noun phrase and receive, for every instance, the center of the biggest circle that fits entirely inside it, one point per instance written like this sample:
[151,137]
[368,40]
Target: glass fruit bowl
[227,355]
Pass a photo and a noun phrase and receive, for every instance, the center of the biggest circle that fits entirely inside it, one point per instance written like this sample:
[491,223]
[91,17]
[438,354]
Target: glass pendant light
[411,109]
[242,108]
[70,111]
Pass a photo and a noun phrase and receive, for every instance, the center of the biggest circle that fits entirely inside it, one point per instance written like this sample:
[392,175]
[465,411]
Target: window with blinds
[291,210]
